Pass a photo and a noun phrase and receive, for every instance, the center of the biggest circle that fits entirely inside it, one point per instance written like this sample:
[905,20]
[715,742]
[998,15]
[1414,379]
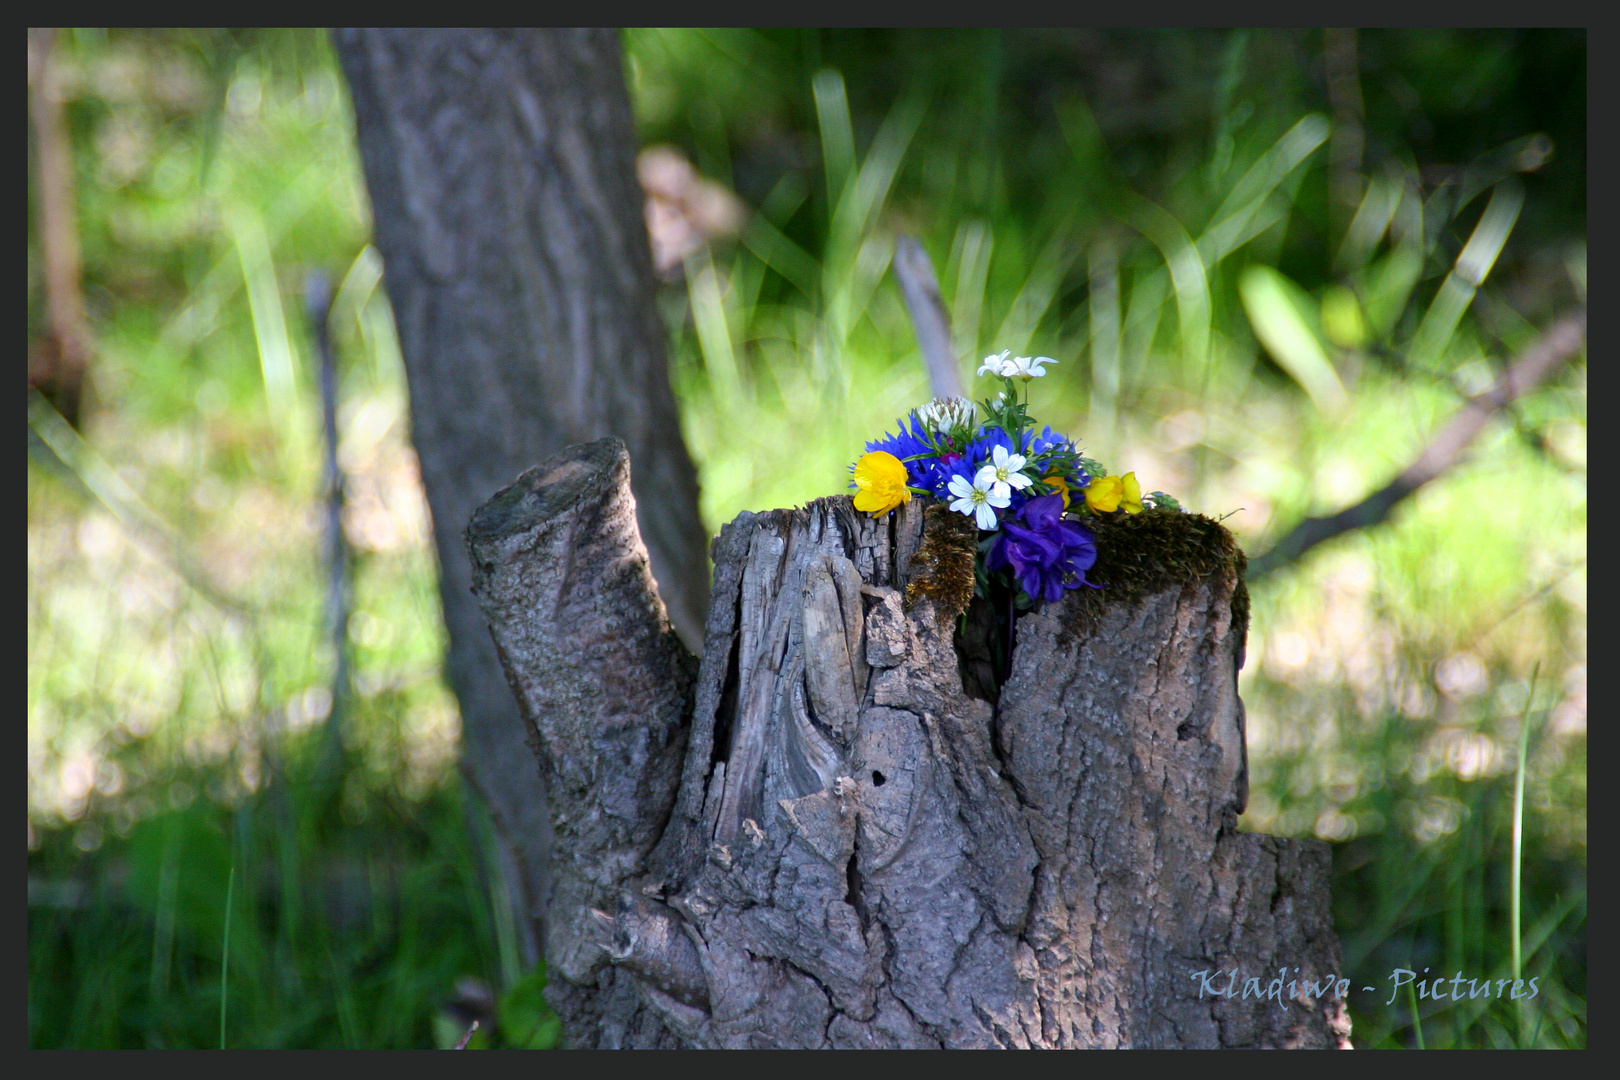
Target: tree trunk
[57,363]
[817,837]
[501,167]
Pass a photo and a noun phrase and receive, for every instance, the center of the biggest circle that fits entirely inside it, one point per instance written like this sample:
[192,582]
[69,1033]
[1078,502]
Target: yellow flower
[1104,492]
[881,478]
[1131,503]
[1056,482]
[1109,493]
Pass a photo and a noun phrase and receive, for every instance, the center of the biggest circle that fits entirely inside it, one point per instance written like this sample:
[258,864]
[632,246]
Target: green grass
[177,683]
[353,919]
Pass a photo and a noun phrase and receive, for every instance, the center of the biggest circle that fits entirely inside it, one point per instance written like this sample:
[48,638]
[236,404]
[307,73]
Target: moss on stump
[942,569]
[1141,554]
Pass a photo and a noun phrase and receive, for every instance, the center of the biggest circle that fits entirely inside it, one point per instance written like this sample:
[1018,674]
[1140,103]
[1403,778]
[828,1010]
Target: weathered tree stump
[818,838]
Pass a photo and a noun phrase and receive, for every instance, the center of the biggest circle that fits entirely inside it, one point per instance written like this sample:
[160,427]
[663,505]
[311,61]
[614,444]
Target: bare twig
[1562,341]
[467,1038]
[58,368]
[920,287]
[335,549]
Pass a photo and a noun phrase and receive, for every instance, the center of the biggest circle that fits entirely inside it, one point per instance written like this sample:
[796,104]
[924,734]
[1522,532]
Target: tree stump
[818,836]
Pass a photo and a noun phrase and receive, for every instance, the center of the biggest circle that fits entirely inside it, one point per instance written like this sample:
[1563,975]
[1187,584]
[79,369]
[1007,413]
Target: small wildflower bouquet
[1027,491]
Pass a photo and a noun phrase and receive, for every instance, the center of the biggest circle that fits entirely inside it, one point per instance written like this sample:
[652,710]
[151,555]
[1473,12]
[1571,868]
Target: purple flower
[1046,553]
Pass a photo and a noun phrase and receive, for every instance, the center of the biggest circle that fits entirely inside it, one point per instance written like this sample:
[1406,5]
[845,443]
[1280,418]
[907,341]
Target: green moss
[1141,554]
[942,568]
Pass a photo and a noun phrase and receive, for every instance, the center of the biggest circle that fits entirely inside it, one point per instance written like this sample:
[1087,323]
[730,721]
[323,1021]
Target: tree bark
[57,364]
[501,171]
[817,837]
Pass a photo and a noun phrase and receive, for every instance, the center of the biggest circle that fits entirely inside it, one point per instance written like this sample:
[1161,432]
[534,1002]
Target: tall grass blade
[880,167]
[1103,270]
[1248,209]
[167,905]
[1515,886]
[1274,306]
[1142,315]
[1284,156]
[1034,297]
[837,133]
[1417,1018]
[781,254]
[970,265]
[354,295]
[225,956]
[1468,273]
[1187,274]
[1230,78]
[1371,222]
[269,319]
[1388,285]
[714,334]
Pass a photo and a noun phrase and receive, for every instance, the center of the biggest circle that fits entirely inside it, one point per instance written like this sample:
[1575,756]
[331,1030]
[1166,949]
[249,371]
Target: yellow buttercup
[1109,493]
[881,478]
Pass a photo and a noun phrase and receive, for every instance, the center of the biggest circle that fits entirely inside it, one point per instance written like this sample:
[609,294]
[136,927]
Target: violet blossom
[1046,553]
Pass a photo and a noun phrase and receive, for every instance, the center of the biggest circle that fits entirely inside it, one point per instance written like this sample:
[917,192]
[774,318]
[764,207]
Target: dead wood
[817,839]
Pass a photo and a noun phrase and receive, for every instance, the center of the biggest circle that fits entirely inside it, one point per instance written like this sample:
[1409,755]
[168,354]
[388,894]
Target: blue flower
[1047,554]
[931,473]
[983,447]
[1046,440]
[942,459]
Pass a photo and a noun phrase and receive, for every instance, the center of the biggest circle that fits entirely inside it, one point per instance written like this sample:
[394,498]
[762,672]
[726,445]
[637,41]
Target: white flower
[1002,474]
[1006,366]
[978,500]
[1025,367]
[944,415]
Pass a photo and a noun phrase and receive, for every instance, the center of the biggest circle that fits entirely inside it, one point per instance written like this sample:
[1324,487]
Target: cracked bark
[815,838]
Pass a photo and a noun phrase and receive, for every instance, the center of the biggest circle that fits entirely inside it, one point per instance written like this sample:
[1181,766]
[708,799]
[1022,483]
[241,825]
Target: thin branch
[920,287]
[1562,341]
[335,557]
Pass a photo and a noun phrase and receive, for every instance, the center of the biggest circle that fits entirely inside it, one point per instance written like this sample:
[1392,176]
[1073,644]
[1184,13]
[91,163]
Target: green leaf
[1389,284]
[1277,310]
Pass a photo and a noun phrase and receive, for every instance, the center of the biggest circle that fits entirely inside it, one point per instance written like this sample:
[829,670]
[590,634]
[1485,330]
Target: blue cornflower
[931,473]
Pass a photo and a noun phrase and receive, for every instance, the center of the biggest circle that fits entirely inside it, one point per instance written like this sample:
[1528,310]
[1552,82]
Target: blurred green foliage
[1154,209]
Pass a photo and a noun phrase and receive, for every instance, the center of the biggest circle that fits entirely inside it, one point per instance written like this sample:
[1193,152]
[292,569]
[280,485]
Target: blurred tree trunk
[818,837]
[501,167]
[57,362]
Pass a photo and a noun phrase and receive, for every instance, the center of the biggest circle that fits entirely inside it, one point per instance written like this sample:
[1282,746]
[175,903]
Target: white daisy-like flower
[1025,367]
[945,415]
[1004,365]
[1002,474]
[978,500]
[993,364]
